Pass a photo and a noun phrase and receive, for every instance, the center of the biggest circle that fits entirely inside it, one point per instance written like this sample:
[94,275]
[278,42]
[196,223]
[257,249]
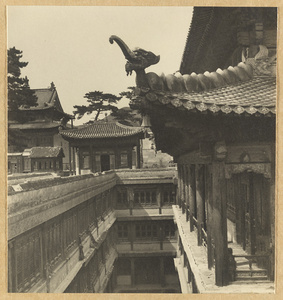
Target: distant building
[41,124]
[36,159]
[103,146]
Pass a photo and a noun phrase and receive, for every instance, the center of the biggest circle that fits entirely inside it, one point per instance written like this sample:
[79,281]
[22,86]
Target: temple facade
[39,127]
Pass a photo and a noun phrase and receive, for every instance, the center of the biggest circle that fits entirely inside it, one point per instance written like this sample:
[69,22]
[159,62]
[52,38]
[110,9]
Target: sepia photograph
[141,149]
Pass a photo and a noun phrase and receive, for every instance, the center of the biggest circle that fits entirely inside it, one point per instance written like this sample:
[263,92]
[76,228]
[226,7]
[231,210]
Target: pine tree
[98,102]
[19,92]
[19,95]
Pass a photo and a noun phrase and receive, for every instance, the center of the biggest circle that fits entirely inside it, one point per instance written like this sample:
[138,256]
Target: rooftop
[99,130]
[46,152]
[254,96]
[47,98]
[35,125]
[213,36]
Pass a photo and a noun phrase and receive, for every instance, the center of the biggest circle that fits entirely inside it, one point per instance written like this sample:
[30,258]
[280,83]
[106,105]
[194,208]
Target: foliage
[127,116]
[19,95]
[128,94]
[98,102]
[19,92]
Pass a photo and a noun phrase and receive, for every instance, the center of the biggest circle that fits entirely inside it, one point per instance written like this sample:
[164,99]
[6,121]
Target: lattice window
[28,256]
[145,197]
[169,230]
[146,230]
[70,229]
[124,160]
[53,242]
[169,197]
[123,231]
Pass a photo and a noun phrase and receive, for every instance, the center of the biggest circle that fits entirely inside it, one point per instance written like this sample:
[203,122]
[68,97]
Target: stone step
[251,279]
[251,273]
[247,282]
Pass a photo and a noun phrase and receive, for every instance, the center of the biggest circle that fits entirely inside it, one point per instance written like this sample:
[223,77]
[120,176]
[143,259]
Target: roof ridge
[260,65]
[127,127]
[40,89]
[45,147]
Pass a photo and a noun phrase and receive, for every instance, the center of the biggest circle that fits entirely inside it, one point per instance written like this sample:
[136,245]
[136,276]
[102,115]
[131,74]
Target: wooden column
[186,191]
[179,187]
[130,197]
[91,159]
[182,199]
[192,195]
[209,203]
[70,160]
[162,275]
[130,164]
[77,159]
[134,157]
[161,231]
[11,269]
[199,174]
[139,163]
[132,271]
[158,199]
[73,161]
[272,212]
[132,234]
[117,158]
[219,217]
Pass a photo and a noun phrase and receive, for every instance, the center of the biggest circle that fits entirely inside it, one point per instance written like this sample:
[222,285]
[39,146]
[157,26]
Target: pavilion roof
[101,130]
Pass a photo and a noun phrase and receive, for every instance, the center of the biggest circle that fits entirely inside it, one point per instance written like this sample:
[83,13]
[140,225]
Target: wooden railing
[263,260]
[256,259]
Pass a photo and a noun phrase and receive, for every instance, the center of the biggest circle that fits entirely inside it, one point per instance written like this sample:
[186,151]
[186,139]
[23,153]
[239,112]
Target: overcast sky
[70,45]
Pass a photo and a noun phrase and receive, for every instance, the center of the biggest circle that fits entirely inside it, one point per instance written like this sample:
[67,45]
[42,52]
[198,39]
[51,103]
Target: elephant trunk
[129,55]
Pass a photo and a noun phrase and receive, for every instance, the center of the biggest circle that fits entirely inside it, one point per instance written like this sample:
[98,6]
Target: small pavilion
[103,146]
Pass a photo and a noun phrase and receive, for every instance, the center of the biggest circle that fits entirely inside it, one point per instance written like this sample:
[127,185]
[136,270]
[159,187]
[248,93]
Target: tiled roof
[48,152]
[248,88]
[35,125]
[212,37]
[44,97]
[100,130]
[257,95]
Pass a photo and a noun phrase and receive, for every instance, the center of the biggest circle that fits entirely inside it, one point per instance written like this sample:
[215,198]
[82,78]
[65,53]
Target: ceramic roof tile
[251,96]
[100,130]
[48,152]
[36,125]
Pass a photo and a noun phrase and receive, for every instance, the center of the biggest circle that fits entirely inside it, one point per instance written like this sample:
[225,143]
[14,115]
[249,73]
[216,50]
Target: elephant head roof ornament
[210,88]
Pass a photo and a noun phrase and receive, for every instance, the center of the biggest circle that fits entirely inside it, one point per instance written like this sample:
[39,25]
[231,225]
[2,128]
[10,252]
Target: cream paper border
[3,150]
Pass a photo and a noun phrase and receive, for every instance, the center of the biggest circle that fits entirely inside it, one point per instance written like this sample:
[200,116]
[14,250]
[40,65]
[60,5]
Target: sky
[69,45]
